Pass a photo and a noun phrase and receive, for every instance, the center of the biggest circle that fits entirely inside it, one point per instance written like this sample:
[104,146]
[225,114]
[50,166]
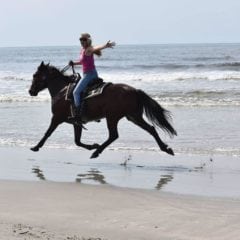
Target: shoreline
[198,175]
[50,210]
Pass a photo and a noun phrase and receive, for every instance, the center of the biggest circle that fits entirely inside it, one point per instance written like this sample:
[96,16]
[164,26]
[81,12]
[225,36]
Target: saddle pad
[70,88]
[93,91]
[96,91]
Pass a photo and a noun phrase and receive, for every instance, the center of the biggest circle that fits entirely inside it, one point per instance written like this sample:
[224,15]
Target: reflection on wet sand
[165,179]
[38,173]
[93,174]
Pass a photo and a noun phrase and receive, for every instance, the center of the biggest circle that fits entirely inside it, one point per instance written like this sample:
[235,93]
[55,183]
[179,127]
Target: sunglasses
[83,39]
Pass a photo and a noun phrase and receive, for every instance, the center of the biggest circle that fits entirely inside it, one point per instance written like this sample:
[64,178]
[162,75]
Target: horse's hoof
[95,154]
[35,149]
[170,151]
[95,146]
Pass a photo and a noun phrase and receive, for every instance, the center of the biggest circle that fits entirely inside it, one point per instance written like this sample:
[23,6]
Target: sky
[60,22]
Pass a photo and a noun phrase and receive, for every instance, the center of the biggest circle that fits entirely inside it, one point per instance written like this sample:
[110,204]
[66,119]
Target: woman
[89,70]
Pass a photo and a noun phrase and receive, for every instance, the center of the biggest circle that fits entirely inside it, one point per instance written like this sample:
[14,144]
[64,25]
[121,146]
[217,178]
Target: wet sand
[48,210]
[203,175]
[60,194]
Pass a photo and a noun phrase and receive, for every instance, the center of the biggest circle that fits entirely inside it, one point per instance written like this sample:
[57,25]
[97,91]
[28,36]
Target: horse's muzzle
[32,93]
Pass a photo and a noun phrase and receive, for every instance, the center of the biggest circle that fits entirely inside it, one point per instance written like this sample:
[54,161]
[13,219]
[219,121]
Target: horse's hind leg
[113,135]
[139,121]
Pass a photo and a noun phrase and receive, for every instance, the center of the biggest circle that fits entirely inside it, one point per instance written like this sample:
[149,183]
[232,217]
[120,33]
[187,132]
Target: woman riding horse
[116,101]
[89,70]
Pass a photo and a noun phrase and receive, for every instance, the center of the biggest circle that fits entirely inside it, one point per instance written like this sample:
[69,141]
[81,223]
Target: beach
[198,175]
[132,190]
[48,210]
[62,194]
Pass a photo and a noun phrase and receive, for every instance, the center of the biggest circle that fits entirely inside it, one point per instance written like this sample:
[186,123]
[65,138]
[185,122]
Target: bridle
[66,68]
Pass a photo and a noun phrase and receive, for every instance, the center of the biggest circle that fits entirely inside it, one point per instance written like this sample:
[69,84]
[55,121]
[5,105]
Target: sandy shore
[48,210]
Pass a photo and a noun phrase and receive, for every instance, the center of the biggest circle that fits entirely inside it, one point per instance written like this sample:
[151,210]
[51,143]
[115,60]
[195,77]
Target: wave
[122,74]
[228,64]
[199,98]
[183,88]
[114,66]
[194,101]
[144,76]
[20,98]
[15,76]
[222,66]
[229,151]
[209,58]
[196,98]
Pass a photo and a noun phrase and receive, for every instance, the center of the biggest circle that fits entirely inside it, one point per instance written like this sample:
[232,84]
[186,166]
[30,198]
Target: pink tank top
[87,61]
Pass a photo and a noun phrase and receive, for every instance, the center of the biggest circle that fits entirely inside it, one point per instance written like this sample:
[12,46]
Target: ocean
[198,83]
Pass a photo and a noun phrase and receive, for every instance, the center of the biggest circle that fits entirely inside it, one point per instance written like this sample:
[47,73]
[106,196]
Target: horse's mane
[54,70]
[56,73]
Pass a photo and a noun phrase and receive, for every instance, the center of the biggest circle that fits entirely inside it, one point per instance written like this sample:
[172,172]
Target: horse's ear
[41,65]
[48,64]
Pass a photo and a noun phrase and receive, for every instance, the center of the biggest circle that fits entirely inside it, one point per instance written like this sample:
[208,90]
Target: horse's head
[39,81]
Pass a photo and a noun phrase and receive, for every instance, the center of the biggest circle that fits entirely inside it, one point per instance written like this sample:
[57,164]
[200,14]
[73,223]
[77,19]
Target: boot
[77,118]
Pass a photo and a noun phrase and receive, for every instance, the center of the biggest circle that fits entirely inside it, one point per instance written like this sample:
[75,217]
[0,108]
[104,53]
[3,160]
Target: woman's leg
[81,86]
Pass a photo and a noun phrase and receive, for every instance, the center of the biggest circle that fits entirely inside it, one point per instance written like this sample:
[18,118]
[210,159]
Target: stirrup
[78,122]
[75,114]
[73,118]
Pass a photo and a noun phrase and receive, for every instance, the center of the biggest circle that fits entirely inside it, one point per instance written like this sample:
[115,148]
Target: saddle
[92,90]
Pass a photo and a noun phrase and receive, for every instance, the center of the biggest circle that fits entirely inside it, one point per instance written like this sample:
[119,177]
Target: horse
[116,102]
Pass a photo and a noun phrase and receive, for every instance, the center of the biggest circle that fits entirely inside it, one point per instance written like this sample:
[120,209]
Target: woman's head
[85,40]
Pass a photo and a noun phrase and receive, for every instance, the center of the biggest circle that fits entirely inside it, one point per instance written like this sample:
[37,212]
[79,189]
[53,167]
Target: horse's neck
[56,85]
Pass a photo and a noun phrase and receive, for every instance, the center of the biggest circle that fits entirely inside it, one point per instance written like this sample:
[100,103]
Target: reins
[66,68]
[76,76]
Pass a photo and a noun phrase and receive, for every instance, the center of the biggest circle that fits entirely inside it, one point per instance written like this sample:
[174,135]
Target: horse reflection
[165,179]
[94,175]
[38,173]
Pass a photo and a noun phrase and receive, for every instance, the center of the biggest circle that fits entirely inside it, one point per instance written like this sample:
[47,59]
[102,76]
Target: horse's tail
[156,114]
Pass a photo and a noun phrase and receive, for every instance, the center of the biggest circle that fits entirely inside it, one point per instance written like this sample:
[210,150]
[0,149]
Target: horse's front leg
[77,138]
[113,135]
[53,125]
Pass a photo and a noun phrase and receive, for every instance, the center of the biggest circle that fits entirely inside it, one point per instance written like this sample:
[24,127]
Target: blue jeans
[82,84]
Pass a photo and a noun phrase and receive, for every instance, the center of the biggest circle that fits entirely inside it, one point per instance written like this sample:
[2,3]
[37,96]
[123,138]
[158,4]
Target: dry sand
[71,211]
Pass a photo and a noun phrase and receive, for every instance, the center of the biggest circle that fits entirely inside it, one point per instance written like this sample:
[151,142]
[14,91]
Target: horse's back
[120,89]
[117,99]
[121,94]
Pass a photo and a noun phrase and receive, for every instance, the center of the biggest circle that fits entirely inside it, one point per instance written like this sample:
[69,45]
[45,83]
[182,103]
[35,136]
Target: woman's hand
[110,44]
[95,49]
[71,63]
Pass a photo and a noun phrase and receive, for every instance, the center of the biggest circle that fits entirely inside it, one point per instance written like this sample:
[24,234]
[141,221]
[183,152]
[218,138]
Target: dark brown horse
[116,101]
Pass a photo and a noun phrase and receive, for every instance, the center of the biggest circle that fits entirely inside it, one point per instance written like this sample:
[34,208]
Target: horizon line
[126,44]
